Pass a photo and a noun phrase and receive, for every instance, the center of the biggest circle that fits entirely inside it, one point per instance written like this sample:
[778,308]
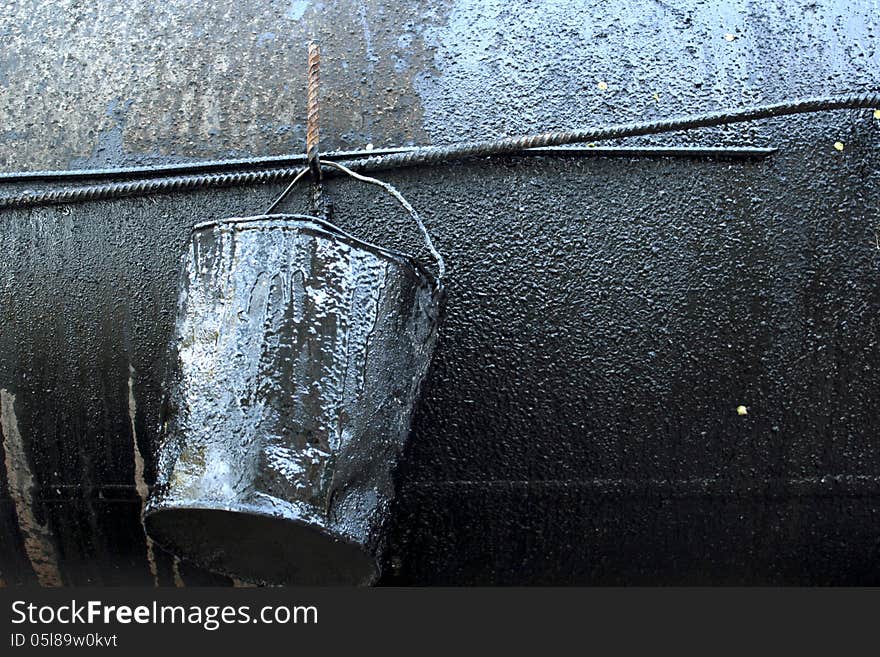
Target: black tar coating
[605,318]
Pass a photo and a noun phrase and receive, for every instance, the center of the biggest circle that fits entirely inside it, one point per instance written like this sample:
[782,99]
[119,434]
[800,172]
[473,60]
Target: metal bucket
[296,367]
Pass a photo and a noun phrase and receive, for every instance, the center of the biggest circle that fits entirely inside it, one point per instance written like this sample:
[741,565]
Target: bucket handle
[438,259]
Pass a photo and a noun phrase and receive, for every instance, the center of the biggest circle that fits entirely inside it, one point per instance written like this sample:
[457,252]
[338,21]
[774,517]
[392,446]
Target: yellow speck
[838,146]
[656,96]
[742,410]
[592,144]
[877,114]
[729,37]
[603,86]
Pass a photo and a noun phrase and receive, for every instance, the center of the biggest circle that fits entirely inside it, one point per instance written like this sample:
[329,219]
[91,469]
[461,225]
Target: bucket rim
[169,543]
[398,257]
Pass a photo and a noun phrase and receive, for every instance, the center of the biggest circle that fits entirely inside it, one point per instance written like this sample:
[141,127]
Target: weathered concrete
[606,317]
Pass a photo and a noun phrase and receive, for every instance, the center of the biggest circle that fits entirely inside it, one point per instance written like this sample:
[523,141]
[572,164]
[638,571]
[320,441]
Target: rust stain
[178,580]
[140,483]
[37,536]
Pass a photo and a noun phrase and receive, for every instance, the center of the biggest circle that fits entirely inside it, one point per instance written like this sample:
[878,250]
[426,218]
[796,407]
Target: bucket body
[295,369]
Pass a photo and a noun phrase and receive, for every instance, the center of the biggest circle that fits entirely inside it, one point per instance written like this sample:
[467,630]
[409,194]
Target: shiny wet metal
[298,355]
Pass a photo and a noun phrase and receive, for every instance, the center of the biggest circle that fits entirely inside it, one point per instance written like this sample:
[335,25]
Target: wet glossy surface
[606,317]
[294,372]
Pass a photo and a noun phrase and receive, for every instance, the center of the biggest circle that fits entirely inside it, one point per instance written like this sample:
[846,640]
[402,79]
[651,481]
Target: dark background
[606,316]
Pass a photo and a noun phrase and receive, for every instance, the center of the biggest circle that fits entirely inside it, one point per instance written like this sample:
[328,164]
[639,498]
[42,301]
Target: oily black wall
[606,316]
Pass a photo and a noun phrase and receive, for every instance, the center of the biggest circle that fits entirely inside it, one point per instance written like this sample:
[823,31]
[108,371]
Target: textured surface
[296,362]
[606,317]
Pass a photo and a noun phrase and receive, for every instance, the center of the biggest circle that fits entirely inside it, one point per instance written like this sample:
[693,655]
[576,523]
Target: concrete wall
[606,316]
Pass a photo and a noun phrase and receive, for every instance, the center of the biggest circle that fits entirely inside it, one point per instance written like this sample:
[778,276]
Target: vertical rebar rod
[313,133]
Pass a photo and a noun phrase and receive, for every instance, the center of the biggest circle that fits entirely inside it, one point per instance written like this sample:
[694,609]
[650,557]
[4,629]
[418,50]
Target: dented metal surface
[296,365]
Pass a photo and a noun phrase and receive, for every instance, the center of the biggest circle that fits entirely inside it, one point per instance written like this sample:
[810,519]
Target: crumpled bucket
[298,355]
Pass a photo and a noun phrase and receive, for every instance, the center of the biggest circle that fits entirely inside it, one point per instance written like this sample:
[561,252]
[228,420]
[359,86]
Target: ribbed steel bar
[437,154]
[280,161]
[433,155]
[178,168]
[313,132]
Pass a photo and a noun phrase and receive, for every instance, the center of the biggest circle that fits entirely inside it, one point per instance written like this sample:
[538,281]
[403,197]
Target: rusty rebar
[313,131]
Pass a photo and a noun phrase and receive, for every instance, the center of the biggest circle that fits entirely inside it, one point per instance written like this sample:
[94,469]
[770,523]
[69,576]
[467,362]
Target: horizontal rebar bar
[437,154]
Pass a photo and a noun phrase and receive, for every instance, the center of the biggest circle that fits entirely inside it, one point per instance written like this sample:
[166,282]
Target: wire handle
[435,254]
